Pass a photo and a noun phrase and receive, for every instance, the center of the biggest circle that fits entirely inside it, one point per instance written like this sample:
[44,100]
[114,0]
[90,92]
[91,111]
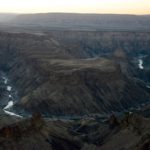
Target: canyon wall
[75,73]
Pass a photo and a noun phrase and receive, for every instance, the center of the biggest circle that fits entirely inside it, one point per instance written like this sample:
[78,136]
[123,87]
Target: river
[9,95]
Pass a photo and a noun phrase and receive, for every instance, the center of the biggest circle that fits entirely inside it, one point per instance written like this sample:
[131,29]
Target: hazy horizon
[135,7]
[92,13]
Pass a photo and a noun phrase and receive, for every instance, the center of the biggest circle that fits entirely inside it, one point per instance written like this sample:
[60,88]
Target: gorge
[70,83]
[46,78]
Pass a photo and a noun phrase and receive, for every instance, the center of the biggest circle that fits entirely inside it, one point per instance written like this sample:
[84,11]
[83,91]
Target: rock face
[37,133]
[52,78]
[133,136]
[130,133]
[83,89]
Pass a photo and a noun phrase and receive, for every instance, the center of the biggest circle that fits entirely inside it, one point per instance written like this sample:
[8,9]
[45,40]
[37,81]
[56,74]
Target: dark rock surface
[130,133]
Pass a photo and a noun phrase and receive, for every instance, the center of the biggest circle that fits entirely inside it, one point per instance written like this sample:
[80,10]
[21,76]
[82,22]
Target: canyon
[53,73]
[74,88]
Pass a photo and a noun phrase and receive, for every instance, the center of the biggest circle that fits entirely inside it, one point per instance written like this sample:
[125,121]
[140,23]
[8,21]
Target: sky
[77,6]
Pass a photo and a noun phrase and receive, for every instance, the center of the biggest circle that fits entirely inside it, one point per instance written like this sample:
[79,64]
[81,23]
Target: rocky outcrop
[37,133]
[88,133]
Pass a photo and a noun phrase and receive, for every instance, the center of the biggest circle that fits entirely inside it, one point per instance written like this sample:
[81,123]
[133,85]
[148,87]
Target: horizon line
[28,13]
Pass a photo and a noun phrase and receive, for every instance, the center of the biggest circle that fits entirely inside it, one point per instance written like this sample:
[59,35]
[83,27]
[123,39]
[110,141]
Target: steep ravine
[69,87]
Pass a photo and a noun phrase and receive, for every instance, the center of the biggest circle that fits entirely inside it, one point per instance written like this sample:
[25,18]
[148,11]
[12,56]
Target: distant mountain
[83,21]
[6,17]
